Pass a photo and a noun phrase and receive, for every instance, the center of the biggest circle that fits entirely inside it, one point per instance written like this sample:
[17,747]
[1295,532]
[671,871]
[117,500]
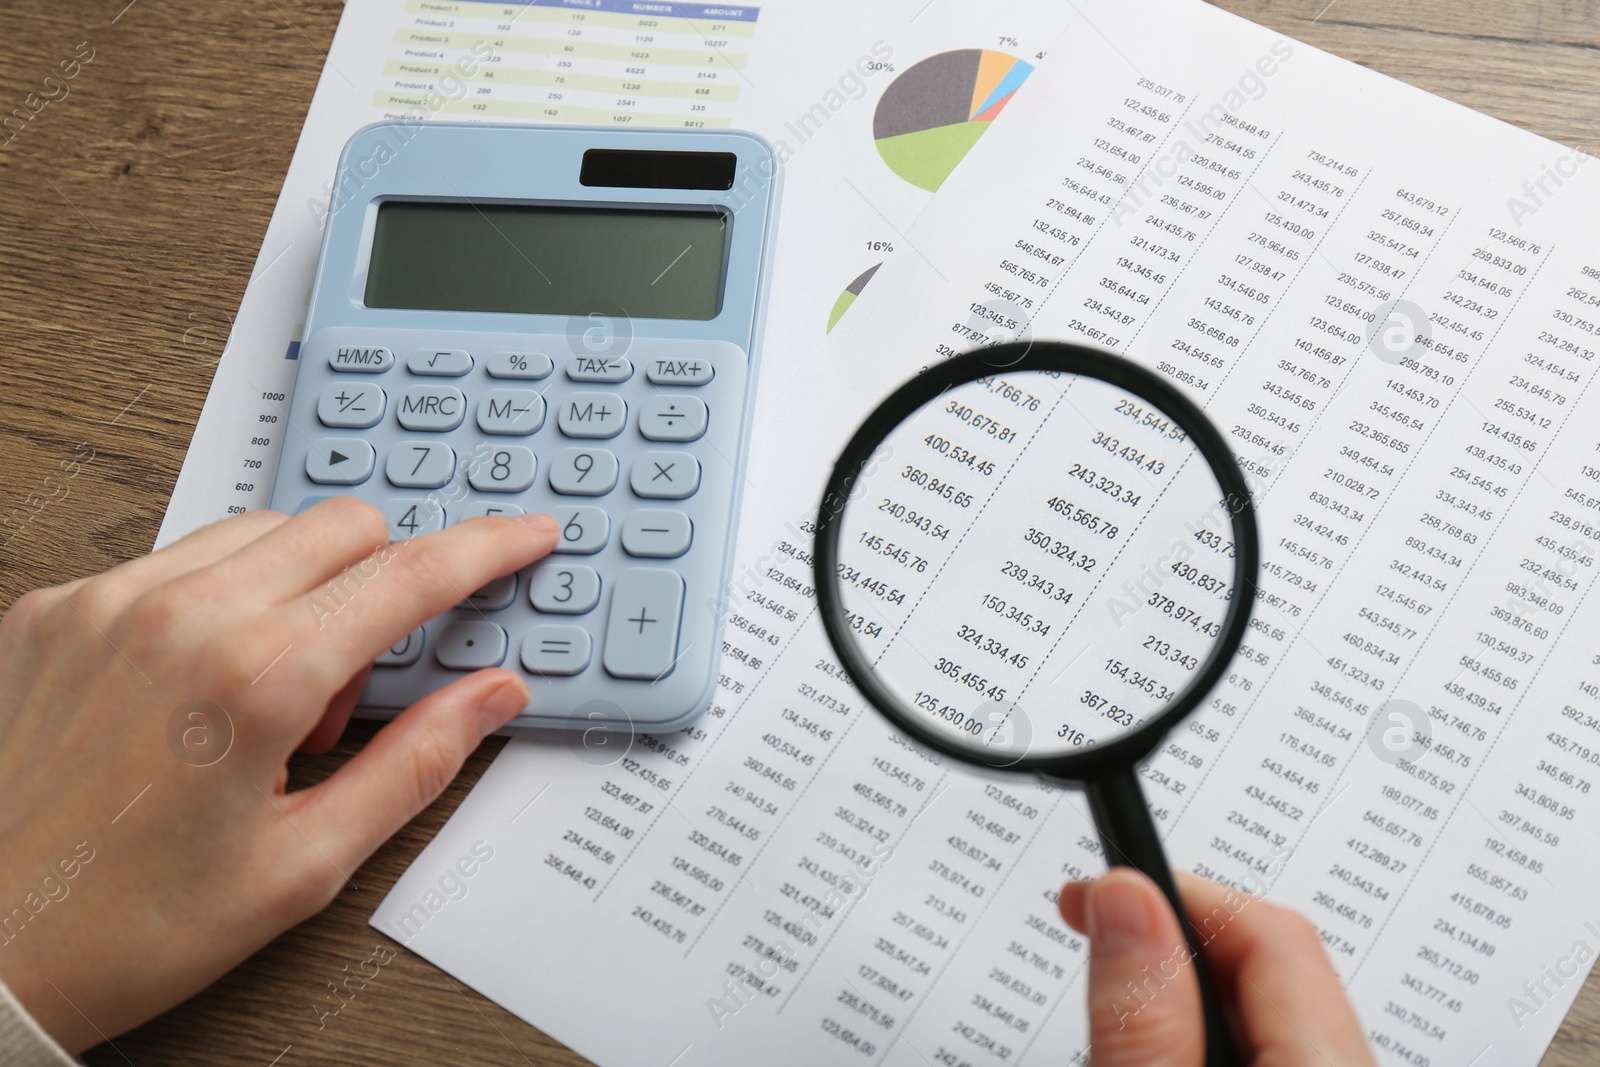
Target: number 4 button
[412,518]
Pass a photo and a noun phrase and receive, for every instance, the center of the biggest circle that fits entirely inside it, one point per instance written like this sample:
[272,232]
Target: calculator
[511,319]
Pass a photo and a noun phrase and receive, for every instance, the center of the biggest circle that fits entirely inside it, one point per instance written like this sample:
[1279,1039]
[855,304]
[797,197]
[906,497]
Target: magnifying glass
[1040,557]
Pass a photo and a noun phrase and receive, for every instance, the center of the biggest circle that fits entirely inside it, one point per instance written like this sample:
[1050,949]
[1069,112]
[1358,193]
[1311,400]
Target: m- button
[585,414]
[679,371]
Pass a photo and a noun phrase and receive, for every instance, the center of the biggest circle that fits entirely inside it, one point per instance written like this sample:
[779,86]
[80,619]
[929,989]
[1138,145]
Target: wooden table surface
[131,212]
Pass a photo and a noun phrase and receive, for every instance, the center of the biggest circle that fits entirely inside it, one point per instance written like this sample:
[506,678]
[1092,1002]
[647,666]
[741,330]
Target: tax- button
[665,475]
[350,405]
[592,415]
[433,408]
[599,369]
[340,461]
[657,534]
[469,645]
[679,371]
[642,629]
[672,418]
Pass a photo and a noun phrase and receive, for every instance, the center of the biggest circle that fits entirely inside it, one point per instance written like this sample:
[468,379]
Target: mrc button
[367,359]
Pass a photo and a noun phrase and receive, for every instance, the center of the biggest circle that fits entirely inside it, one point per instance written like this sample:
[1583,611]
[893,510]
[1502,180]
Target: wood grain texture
[131,213]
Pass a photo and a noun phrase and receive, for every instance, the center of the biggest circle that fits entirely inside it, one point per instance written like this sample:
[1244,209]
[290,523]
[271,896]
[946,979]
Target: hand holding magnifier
[1041,557]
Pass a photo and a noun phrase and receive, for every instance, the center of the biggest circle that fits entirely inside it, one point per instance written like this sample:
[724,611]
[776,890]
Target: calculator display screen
[547,260]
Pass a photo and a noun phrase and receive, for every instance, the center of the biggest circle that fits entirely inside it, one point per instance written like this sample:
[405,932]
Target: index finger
[375,603]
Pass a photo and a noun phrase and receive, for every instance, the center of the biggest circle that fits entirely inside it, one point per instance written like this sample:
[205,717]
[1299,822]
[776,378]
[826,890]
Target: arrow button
[340,461]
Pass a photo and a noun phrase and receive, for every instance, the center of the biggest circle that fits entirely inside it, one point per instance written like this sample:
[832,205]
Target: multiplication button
[340,461]
[558,650]
[672,417]
[350,405]
[657,534]
[642,628]
[665,475]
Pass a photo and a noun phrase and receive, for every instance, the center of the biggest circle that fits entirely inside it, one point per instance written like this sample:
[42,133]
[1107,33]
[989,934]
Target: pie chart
[932,114]
[848,297]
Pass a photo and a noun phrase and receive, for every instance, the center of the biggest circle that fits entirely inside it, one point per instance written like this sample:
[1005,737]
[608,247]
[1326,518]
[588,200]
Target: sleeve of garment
[23,1043]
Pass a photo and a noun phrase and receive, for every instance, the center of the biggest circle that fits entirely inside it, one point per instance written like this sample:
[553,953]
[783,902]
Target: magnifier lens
[1035,563]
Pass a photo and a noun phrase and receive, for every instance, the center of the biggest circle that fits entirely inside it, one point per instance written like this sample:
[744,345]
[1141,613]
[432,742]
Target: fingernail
[501,705]
[540,522]
[1118,912]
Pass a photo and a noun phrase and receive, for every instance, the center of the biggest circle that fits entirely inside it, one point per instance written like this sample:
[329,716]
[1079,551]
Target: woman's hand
[146,716]
[1275,980]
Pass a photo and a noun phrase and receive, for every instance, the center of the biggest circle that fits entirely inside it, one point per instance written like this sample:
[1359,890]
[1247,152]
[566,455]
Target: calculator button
[530,365]
[496,595]
[665,475]
[479,508]
[350,405]
[412,518]
[642,629]
[405,652]
[340,461]
[679,371]
[592,415]
[506,469]
[672,418]
[556,649]
[583,530]
[559,589]
[657,534]
[584,472]
[308,501]
[434,408]
[418,465]
[510,411]
[599,369]
[362,360]
[469,645]
[445,362]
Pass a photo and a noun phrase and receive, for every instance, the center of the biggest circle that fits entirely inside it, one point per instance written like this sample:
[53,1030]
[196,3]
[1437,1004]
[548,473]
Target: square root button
[642,630]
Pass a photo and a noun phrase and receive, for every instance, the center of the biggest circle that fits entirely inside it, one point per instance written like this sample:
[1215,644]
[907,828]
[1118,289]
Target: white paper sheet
[789,882]
[787,70]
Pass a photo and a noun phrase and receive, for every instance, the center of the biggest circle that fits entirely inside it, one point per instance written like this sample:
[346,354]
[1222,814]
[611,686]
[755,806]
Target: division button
[434,408]
[361,359]
[444,362]
[642,629]
[599,369]
[563,589]
[412,517]
[507,469]
[672,417]
[529,365]
[657,534]
[665,475]
[510,411]
[420,465]
[556,649]
[340,461]
[592,414]
[405,652]
[679,371]
[470,644]
[584,472]
[350,405]
[584,530]
[496,595]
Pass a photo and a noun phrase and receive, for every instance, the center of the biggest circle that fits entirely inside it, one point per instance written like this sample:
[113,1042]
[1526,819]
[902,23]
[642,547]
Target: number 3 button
[563,590]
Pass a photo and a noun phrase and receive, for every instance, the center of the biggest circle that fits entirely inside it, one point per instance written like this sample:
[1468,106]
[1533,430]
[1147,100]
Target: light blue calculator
[514,319]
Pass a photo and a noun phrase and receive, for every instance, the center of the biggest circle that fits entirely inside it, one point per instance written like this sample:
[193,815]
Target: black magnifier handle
[1128,834]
